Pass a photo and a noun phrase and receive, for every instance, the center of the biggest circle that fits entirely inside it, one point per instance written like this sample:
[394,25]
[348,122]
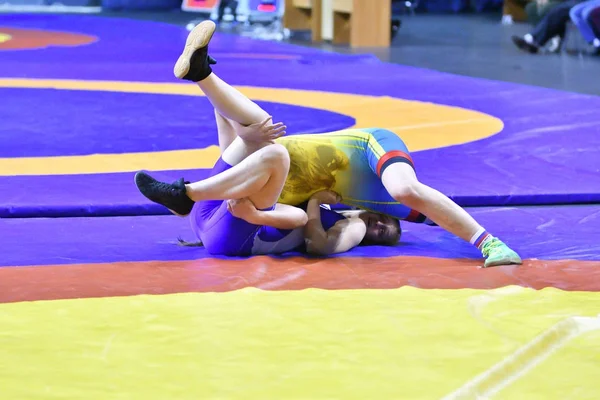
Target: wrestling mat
[97,300]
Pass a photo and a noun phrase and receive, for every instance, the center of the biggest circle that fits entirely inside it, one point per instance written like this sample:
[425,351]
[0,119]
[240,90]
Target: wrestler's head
[381,229]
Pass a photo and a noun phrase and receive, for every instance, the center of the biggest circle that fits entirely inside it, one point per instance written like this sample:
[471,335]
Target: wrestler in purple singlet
[223,234]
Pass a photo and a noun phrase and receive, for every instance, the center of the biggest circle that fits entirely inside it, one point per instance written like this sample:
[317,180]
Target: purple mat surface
[82,195]
[548,152]
[105,122]
[551,233]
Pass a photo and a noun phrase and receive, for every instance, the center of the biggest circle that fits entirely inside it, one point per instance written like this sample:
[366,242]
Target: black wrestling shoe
[194,63]
[524,45]
[171,195]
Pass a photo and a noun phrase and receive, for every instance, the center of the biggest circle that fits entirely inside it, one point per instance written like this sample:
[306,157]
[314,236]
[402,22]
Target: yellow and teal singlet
[349,162]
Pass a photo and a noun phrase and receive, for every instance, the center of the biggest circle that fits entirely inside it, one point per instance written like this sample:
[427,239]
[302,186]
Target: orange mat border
[268,273]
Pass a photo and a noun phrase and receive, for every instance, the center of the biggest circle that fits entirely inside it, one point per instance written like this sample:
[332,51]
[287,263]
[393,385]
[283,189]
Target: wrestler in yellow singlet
[349,162]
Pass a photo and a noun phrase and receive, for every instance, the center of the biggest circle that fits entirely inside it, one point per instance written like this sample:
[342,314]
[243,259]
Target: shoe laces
[490,246]
[173,189]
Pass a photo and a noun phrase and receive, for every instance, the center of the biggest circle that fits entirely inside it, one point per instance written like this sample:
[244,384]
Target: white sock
[480,237]
[528,38]
[596,42]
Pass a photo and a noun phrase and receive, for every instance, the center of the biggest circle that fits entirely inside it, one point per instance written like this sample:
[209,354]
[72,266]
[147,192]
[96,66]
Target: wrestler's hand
[242,208]
[327,197]
[264,131]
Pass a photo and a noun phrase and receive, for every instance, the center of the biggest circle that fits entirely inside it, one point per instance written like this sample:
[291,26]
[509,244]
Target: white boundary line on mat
[525,358]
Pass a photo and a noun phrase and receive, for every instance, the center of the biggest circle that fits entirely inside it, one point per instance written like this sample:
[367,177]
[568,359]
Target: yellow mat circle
[421,125]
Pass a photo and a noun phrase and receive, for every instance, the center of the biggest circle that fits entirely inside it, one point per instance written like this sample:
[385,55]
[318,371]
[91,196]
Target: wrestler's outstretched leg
[194,65]
[260,177]
[231,106]
[401,183]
